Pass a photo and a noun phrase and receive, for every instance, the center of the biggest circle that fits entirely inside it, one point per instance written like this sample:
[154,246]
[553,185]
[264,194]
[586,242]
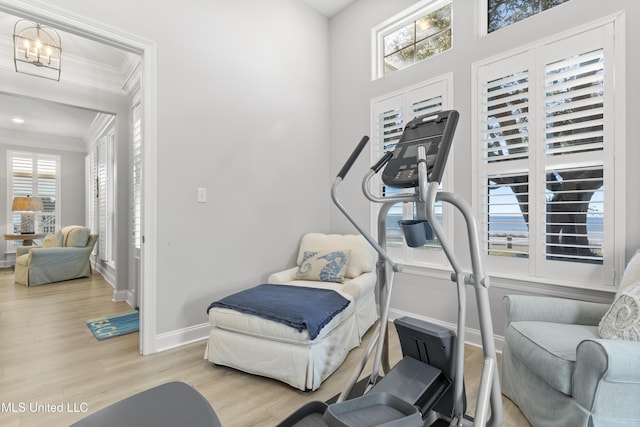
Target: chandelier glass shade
[37,50]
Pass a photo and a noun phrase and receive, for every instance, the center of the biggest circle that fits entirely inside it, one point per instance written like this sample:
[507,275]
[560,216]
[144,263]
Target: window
[136,177]
[106,213]
[100,178]
[389,114]
[415,35]
[546,141]
[34,174]
[501,13]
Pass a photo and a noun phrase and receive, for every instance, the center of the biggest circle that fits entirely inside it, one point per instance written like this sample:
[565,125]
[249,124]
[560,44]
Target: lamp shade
[27,204]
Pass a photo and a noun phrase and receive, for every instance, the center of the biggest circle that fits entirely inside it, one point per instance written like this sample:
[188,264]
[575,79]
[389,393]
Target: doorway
[148,113]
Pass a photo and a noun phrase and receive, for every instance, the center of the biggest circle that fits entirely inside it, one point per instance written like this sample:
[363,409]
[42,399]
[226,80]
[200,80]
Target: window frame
[439,86]
[397,22]
[35,158]
[529,270]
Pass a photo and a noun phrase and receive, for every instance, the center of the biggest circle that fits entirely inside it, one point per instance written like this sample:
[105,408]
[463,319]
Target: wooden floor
[49,360]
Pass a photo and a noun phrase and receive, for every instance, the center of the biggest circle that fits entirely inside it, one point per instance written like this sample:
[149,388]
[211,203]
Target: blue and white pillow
[324,267]
[622,320]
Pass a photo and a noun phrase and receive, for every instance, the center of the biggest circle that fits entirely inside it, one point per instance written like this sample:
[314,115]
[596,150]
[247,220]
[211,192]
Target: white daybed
[271,349]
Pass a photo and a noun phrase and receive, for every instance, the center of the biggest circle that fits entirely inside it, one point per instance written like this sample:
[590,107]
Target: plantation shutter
[136,181]
[578,151]
[47,172]
[389,124]
[545,125]
[505,134]
[102,183]
[22,174]
[22,183]
[36,175]
[91,193]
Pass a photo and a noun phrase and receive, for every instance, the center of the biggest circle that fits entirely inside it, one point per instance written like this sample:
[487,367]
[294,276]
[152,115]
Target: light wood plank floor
[49,357]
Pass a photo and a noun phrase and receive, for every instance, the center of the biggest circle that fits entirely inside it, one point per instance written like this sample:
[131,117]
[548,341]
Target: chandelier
[36,50]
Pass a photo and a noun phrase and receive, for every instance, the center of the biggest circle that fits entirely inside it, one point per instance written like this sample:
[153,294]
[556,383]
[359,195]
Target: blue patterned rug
[114,326]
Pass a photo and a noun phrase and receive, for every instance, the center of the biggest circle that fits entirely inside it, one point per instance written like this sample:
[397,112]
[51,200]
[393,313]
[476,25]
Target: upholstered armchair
[63,256]
[575,363]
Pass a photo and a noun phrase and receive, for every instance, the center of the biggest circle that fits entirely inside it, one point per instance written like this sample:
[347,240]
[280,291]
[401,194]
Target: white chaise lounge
[267,348]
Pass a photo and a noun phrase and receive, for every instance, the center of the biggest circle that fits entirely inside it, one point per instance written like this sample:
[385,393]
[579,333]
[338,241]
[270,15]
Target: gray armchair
[67,259]
[559,371]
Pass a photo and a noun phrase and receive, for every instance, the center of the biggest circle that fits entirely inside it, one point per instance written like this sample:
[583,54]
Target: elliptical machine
[426,387]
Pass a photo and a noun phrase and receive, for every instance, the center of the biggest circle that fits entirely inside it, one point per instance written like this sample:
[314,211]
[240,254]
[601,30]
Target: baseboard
[201,332]
[472,336]
[107,274]
[182,337]
[126,295]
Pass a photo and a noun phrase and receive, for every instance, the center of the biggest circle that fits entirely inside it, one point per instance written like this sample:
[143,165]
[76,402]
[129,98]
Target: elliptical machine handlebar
[352,158]
[382,162]
[334,189]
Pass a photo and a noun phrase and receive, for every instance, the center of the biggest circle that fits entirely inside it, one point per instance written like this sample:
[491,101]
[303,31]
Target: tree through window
[501,13]
[546,130]
[413,36]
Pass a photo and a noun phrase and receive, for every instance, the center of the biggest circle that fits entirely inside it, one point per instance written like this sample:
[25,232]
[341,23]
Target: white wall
[352,90]
[242,96]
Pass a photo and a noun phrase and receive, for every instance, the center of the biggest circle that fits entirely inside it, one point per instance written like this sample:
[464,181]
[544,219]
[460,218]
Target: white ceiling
[328,7]
[44,117]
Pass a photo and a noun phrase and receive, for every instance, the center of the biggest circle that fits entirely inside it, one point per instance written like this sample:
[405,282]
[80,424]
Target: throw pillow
[622,320]
[51,241]
[324,267]
[77,237]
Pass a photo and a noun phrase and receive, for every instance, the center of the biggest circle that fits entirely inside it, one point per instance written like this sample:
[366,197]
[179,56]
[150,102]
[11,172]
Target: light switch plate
[202,195]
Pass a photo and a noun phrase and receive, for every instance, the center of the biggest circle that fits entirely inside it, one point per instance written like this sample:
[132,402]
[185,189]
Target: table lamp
[27,206]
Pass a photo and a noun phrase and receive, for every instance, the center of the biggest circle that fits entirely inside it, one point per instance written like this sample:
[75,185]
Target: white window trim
[482,9]
[407,256]
[619,21]
[10,246]
[394,23]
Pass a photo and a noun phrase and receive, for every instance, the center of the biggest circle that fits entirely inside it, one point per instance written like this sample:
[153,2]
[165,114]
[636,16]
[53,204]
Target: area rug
[114,326]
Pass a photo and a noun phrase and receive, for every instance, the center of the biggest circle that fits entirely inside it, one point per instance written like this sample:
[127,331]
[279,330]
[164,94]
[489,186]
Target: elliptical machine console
[434,133]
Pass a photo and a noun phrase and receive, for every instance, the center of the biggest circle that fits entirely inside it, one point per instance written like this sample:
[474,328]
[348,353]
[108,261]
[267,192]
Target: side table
[27,239]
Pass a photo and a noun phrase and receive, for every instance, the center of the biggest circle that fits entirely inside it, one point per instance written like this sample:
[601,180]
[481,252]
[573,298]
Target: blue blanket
[299,307]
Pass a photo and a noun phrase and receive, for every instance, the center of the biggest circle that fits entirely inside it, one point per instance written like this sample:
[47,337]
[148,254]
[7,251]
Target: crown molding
[80,71]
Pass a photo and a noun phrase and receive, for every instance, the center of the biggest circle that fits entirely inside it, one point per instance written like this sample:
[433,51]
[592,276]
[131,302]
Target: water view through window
[573,226]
